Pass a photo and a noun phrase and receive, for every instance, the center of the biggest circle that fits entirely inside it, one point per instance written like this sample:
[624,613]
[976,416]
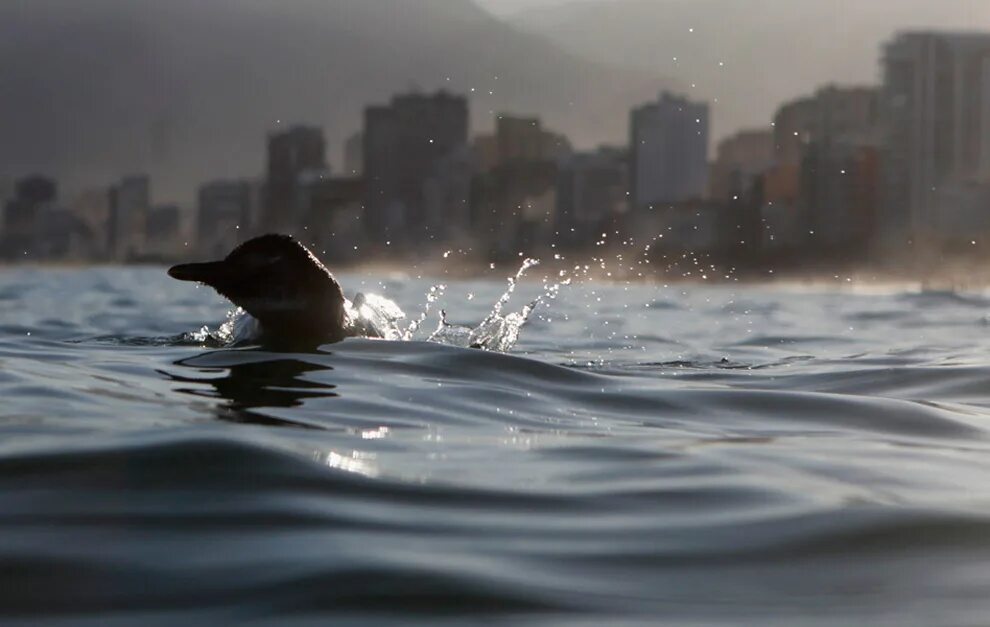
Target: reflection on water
[246,387]
[644,456]
[356,462]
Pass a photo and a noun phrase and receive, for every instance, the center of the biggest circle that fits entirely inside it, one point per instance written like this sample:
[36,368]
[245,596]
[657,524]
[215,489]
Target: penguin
[291,295]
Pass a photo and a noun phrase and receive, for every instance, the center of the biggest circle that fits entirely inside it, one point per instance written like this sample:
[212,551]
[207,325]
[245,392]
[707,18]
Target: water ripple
[723,456]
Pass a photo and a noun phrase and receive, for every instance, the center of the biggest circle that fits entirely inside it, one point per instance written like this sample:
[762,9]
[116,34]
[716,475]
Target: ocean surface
[682,455]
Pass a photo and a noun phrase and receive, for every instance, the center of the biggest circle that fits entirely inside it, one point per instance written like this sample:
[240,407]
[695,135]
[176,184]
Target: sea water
[635,454]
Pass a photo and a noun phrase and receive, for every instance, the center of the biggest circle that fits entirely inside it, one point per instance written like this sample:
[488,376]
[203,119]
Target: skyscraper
[224,217]
[792,124]
[292,155]
[522,139]
[591,194]
[839,167]
[404,144]
[23,213]
[354,155]
[669,149]
[130,201]
[740,159]
[935,106]
[985,122]
[163,232]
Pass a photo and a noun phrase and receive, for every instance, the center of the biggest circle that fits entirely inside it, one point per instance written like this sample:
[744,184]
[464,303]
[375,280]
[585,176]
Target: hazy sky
[505,7]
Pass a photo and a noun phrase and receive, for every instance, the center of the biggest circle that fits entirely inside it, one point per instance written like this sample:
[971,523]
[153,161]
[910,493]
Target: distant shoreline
[952,274]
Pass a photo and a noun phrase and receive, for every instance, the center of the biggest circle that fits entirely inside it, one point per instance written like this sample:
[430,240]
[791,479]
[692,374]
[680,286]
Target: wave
[267,535]
[712,462]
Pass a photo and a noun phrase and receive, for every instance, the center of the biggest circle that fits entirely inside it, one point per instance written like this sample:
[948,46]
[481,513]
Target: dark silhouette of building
[817,193]
[405,145]
[514,195]
[92,208]
[225,215]
[523,139]
[292,155]
[818,197]
[354,155]
[739,160]
[6,193]
[62,235]
[935,107]
[484,150]
[163,233]
[35,227]
[130,201]
[23,215]
[513,208]
[792,127]
[447,196]
[686,230]
[669,151]
[36,190]
[840,191]
[333,214]
[840,168]
[592,195]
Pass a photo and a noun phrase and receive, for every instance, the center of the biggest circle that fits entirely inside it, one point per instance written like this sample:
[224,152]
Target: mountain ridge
[751,56]
[188,90]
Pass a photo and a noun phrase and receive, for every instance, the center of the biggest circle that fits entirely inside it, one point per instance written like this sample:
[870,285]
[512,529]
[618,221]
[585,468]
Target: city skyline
[191,85]
[843,172]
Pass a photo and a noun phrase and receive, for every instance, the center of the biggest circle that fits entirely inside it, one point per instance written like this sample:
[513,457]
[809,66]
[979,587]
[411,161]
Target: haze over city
[96,88]
[814,134]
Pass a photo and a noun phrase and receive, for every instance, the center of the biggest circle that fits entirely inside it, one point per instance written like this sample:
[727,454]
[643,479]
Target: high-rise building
[820,184]
[224,217]
[739,160]
[985,122]
[23,214]
[354,155]
[840,193]
[592,193]
[130,201]
[92,208]
[6,194]
[935,107]
[519,140]
[831,112]
[447,196]
[405,143]
[297,153]
[484,149]
[163,232]
[839,168]
[669,149]
[513,208]
[334,212]
[62,235]
[514,193]
[523,139]
[792,126]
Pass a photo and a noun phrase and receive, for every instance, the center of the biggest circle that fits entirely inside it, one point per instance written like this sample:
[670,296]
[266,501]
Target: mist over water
[683,455]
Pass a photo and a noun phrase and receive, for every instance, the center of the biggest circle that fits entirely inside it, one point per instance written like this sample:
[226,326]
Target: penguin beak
[210,273]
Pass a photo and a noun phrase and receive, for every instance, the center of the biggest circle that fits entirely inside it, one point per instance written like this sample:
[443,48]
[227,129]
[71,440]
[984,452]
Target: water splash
[513,282]
[498,332]
[370,315]
[435,293]
[238,327]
